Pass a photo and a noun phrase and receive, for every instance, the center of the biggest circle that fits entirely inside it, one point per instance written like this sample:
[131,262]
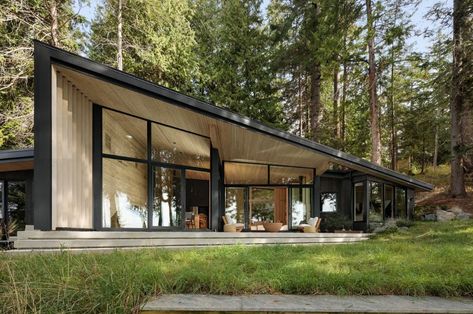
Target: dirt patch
[441,197]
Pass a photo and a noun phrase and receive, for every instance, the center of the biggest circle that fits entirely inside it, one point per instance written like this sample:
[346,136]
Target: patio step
[34,239]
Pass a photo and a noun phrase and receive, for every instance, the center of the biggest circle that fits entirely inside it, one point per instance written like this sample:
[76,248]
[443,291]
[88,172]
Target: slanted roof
[237,137]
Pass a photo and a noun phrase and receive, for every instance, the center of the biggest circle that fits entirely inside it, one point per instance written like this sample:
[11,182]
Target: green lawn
[429,259]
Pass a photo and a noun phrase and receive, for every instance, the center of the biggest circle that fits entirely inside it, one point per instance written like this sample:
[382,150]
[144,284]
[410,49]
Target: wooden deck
[34,239]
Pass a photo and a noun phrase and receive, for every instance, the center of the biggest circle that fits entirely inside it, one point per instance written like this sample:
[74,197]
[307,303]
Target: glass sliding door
[388,201]
[235,204]
[401,205]
[197,214]
[124,194]
[261,206]
[301,206]
[358,201]
[167,205]
[375,213]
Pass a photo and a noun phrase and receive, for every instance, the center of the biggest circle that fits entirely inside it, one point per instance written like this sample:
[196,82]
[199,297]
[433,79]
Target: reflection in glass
[301,205]
[388,201]
[401,209]
[197,199]
[359,195]
[167,197]
[375,213]
[173,146]
[290,175]
[262,207]
[17,204]
[235,204]
[328,202]
[243,173]
[123,135]
[124,194]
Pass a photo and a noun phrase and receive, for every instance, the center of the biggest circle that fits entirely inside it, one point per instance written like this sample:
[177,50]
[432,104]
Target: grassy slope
[440,178]
[429,259]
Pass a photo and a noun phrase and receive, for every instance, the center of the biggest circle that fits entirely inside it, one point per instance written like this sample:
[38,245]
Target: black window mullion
[150,177]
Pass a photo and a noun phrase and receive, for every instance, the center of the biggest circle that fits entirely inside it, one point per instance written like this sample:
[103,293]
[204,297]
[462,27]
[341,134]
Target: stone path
[185,303]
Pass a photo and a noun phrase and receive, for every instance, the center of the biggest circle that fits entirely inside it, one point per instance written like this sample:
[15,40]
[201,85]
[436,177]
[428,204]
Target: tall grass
[429,259]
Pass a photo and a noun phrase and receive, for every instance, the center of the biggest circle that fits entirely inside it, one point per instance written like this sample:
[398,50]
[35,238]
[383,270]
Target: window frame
[99,155]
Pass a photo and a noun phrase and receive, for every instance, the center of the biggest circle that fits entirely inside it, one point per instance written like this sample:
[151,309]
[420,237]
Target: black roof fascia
[16,155]
[128,80]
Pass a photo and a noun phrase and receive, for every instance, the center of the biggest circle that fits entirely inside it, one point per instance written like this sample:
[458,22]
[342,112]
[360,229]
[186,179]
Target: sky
[419,43]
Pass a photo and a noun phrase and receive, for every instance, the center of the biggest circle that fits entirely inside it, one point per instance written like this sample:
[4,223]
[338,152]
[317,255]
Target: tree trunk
[120,36]
[372,85]
[54,23]
[393,126]
[457,180]
[436,147]
[315,105]
[336,102]
[301,107]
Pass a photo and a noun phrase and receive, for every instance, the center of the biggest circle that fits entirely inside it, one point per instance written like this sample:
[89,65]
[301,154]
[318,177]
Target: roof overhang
[16,160]
[227,122]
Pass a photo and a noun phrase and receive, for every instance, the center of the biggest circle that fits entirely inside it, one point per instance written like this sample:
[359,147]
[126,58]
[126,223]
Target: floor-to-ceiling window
[235,203]
[388,201]
[301,205]
[375,213]
[146,168]
[262,193]
[401,204]
[358,201]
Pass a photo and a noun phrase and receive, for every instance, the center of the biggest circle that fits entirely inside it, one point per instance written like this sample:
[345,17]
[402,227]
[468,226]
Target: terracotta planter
[272,226]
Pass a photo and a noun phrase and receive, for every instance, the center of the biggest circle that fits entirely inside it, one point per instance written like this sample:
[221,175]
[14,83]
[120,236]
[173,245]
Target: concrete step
[154,242]
[63,234]
[194,303]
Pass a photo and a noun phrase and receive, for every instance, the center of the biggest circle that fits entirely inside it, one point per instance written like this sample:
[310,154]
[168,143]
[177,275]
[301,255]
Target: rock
[456,210]
[464,216]
[443,215]
[430,217]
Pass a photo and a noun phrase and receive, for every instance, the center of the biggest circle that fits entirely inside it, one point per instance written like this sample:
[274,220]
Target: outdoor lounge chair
[231,225]
[313,225]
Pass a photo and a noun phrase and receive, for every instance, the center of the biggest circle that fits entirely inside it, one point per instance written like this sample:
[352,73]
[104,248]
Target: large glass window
[376,202]
[197,199]
[301,205]
[124,202]
[261,207]
[290,175]
[243,173]
[235,203]
[123,135]
[401,209]
[328,202]
[167,197]
[388,201]
[177,147]
[358,202]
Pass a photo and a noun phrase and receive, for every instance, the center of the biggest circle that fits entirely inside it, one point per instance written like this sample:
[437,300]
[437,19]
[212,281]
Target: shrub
[404,223]
[335,221]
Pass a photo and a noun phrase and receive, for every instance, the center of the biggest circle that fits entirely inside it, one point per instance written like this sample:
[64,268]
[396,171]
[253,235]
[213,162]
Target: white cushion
[230,221]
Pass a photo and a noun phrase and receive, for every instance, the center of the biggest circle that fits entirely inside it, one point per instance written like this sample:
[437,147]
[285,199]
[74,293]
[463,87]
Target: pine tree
[20,23]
